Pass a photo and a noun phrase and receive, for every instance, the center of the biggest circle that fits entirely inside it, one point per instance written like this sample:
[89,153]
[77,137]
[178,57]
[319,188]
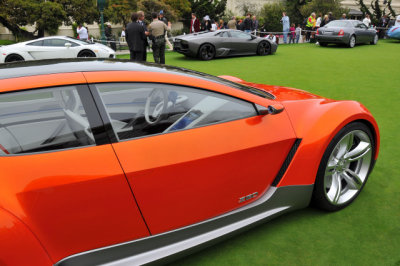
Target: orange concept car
[113,162]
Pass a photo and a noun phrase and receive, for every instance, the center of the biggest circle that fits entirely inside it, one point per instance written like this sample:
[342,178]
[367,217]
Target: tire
[207,52]
[264,48]
[13,58]
[375,40]
[352,41]
[86,53]
[324,44]
[340,180]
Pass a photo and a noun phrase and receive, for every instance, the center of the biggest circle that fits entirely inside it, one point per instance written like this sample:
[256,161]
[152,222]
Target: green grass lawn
[368,231]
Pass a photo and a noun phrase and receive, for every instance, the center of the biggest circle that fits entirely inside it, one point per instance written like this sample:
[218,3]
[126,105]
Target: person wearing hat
[206,26]
[162,18]
[157,29]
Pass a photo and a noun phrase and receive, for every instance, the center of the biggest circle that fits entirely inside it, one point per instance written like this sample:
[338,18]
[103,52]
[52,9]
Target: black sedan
[348,32]
[222,43]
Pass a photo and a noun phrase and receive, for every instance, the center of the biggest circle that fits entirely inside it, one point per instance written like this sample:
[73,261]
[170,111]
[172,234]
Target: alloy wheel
[348,167]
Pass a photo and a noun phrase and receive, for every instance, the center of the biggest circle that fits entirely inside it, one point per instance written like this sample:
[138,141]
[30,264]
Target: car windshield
[339,23]
[77,41]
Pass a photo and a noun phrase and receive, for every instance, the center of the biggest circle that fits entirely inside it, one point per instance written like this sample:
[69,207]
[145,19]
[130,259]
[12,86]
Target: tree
[215,9]
[323,6]
[272,14]
[378,10]
[150,6]
[181,7]
[46,15]
[119,11]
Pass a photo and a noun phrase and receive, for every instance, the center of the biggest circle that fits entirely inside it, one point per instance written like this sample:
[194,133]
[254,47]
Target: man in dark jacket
[143,23]
[135,37]
[247,24]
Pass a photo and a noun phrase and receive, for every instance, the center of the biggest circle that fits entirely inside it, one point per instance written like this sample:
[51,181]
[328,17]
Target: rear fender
[316,122]
[18,245]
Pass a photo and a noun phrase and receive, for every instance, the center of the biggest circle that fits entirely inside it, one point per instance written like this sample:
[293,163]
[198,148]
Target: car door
[51,48]
[242,43]
[191,154]
[362,32]
[59,175]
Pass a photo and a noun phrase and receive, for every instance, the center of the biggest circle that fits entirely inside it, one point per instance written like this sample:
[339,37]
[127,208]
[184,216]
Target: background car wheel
[375,40]
[207,52]
[352,41]
[14,58]
[264,48]
[344,167]
[86,53]
[324,44]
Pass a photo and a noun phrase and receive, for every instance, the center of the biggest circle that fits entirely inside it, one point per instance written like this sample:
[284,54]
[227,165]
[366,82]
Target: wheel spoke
[335,189]
[352,179]
[330,170]
[345,145]
[358,152]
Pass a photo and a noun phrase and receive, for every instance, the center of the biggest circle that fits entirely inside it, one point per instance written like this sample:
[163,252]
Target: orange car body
[57,204]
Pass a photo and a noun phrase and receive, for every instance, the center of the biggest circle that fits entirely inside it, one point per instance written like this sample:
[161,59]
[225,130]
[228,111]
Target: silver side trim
[166,251]
[166,246]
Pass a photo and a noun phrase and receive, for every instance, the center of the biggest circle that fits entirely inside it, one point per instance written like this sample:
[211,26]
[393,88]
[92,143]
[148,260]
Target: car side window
[224,34]
[43,120]
[54,42]
[36,43]
[240,35]
[142,109]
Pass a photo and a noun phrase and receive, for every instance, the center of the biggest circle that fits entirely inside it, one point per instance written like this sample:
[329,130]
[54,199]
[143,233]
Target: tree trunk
[16,30]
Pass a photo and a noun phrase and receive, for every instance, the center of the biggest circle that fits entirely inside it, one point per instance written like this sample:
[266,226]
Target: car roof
[58,66]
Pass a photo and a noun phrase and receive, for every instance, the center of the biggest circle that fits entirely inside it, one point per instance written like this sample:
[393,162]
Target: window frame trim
[92,115]
[107,121]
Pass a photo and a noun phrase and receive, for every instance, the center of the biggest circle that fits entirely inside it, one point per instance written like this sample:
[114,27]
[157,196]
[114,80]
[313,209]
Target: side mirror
[68,44]
[272,109]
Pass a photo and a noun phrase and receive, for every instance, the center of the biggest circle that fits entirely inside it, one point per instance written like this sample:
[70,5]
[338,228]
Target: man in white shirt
[397,23]
[271,37]
[82,33]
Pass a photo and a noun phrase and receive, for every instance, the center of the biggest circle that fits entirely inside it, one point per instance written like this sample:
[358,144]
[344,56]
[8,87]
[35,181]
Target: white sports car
[53,47]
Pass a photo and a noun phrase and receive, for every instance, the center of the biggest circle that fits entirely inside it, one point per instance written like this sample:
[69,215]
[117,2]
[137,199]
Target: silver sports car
[222,43]
[349,32]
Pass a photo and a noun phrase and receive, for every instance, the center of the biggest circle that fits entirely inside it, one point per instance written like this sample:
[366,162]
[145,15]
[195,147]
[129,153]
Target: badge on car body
[248,197]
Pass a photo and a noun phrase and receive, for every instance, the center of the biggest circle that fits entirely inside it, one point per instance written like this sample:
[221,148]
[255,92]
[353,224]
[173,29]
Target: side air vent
[287,162]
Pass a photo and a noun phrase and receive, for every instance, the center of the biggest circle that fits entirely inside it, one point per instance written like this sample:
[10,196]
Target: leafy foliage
[376,10]
[45,15]
[272,14]
[150,6]
[323,6]
[119,11]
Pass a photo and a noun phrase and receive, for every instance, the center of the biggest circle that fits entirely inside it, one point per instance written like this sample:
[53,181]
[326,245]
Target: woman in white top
[367,21]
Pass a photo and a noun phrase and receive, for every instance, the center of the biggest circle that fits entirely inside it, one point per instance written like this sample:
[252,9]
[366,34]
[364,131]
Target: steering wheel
[154,116]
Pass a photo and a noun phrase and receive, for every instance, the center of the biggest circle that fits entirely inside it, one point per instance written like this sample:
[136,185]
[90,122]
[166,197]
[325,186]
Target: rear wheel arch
[10,58]
[18,239]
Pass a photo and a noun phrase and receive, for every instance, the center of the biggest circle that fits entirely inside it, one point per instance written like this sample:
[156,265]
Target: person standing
[397,23]
[310,25]
[206,26]
[135,37]
[82,33]
[292,34]
[298,33]
[383,23]
[367,21]
[146,42]
[232,23]
[285,26]
[110,37]
[157,29]
[247,23]
[255,24]
[194,24]
[162,18]
[343,16]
